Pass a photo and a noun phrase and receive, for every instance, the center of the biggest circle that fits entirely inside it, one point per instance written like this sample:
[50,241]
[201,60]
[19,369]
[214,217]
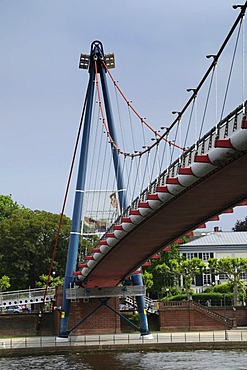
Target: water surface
[192,360]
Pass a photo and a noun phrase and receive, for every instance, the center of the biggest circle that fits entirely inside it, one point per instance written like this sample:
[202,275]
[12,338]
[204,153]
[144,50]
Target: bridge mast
[78,202]
[137,277]
[87,62]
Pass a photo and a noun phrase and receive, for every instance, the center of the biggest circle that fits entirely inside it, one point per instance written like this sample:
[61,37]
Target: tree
[162,280]
[88,242]
[148,279]
[27,242]
[233,268]
[54,281]
[7,206]
[4,283]
[188,269]
[240,225]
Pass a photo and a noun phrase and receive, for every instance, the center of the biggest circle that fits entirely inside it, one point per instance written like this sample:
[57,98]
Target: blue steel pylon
[97,54]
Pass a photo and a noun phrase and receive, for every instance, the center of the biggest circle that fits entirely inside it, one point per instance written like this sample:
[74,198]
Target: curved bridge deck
[221,189]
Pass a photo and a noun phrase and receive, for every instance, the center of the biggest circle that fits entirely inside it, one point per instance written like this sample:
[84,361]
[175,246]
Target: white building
[215,245]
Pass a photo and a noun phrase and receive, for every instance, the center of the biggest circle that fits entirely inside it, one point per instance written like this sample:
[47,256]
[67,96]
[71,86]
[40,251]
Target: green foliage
[215,299]
[162,279]
[135,319]
[53,281]
[27,242]
[4,283]
[241,291]
[240,225]
[87,243]
[221,288]
[188,269]
[147,279]
[7,206]
[177,297]
[233,268]
[167,291]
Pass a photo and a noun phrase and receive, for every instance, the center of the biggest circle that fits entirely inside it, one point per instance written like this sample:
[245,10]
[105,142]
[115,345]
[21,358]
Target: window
[190,256]
[205,256]
[207,279]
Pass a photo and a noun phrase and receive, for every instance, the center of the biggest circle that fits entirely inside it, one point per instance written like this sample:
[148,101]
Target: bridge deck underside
[210,196]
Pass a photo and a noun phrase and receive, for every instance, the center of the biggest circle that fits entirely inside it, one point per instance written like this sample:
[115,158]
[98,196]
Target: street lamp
[234,316]
[224,300]
[53,275]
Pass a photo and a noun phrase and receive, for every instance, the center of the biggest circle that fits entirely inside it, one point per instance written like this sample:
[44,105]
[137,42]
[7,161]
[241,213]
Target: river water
[192,360]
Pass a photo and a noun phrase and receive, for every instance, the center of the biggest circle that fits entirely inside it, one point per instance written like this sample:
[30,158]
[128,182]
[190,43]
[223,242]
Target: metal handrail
[26,296]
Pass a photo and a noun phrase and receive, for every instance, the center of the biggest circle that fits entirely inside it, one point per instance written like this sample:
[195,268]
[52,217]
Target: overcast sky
[156,43]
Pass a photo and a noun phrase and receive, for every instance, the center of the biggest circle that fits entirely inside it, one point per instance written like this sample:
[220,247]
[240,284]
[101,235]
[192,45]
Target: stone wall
[187,316]
[173,316]
[239,313]
[25,324]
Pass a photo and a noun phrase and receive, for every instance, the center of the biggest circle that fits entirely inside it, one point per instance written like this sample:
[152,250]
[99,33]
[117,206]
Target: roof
[219,238]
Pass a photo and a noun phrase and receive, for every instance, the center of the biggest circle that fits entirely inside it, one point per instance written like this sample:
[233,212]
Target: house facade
[215,245]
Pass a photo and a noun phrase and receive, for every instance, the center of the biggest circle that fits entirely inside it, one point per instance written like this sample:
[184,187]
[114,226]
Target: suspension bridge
[148,186]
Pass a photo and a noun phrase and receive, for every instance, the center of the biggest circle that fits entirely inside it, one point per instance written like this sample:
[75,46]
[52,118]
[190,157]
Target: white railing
[24,297]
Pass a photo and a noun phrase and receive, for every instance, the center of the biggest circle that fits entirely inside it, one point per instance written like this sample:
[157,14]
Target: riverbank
[186,341]
[172,347]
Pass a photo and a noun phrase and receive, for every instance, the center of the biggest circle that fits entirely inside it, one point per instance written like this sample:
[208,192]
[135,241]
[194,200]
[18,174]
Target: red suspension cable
[137,114]
[107,130]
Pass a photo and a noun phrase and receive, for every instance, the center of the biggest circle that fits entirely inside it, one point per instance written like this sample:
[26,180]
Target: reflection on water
[196,360]
[193,360]
[41,363]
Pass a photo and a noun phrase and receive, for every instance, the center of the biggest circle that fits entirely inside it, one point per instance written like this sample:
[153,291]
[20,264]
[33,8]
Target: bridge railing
[228,125]
[222,130]
[28,296]
[187,339]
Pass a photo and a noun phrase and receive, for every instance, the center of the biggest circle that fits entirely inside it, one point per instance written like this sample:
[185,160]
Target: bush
[178,297]
[221,288]
[215,299]
[135,319]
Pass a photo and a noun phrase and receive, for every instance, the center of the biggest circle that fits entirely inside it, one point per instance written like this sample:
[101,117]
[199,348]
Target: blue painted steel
[137,278]
[142,309]
[77,211]
[116,159]
[98,55]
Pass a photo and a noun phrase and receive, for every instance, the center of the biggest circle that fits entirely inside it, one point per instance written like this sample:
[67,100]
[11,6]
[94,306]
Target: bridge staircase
[190,315]
[214,315]
[130,304]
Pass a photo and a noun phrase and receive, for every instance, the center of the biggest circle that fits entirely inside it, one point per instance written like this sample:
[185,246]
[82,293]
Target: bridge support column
[144,329]
[77,211]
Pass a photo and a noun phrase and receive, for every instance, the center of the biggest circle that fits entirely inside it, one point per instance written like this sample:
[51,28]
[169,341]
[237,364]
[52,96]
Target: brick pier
[103,321]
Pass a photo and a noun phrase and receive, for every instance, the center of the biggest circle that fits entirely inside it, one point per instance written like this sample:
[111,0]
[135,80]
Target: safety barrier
[123,339]
[24,297]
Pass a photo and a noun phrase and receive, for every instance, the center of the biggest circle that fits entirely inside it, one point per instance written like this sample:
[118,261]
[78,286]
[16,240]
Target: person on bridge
[114,204]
